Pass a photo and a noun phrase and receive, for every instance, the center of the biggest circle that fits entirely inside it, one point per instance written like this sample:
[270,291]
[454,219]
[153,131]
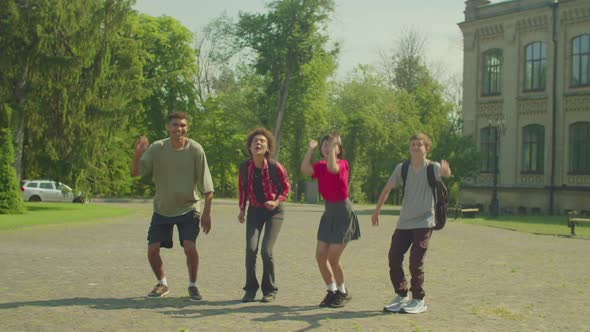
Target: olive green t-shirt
[177,175]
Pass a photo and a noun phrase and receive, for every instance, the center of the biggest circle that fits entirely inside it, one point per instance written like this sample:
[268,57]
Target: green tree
[309,116]
[72,77]
[20,64]
[169,70]
[461,151]
[376,124]
[284,40]
[405,68]
[11,201]
[224,119]
[91,83]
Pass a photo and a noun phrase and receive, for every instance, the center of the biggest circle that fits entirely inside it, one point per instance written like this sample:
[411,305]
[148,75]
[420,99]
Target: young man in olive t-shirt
[178,166]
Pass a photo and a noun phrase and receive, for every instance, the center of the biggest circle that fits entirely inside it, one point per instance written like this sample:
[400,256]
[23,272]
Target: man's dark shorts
[161,228]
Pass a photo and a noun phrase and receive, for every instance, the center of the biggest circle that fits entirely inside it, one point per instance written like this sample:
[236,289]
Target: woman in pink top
[339,223]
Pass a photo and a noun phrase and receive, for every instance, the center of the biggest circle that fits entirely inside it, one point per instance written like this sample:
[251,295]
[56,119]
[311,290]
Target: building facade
[526,102]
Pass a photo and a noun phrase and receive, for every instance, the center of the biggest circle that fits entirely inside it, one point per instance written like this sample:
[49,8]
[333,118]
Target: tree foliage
[168,71]
[11,201]
[85,79]
[285,40]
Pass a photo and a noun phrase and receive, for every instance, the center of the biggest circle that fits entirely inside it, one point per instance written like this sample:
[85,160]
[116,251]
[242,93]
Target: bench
[466,212]
[573,219]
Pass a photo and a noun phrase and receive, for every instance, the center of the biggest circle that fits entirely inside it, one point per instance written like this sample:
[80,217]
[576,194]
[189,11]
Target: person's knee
[251,252]
[266,253]
[154,249]
[189,247]
[396,260]
[416,268]
[321,256]
[334,260]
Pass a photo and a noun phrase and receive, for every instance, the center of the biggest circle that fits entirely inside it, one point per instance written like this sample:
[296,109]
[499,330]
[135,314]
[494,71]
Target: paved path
[92,277]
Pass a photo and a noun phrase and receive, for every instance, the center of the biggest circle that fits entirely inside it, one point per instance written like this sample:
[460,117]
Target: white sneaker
[415,307]
[397,304]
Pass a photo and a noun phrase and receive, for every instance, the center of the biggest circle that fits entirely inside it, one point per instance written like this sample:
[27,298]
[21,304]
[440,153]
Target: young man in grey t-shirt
[414,226]
[178,166]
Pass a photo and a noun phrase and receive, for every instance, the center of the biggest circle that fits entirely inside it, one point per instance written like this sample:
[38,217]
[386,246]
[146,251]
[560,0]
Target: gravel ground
[93,277]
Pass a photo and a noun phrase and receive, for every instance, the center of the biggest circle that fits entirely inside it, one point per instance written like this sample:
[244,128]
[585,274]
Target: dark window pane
[491,78]
[529,53]
[584,69]
[576,70]
[580,147]
[584,44]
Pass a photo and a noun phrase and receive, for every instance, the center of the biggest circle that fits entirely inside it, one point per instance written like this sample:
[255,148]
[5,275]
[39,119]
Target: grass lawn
[552,225]
[59,213]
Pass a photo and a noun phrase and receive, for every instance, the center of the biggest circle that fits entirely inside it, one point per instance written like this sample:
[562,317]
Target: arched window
[581,60]
[535,66]
[533,149]
[492,72]
[489,149]
[580,148]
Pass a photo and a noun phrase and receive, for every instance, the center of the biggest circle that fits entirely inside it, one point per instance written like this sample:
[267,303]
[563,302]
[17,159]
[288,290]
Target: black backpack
[439,191]
[272,170]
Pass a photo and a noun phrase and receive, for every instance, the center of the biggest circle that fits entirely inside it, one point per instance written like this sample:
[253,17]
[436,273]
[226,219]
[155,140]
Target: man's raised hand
[141,145]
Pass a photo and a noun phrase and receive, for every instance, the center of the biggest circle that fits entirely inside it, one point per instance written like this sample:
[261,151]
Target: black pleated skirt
[339,223]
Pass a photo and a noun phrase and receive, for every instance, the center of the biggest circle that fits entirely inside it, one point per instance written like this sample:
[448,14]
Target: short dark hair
[177,115]
[270,140]
[424,138]
[339,154]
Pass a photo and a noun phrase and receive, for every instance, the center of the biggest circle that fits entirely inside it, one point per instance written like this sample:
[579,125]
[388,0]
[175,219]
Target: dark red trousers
[401,241]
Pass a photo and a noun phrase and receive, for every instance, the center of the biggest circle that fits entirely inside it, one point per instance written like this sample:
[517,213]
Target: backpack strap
[272,170]
[431,179]
[405,167]
[274,175]
[243,171]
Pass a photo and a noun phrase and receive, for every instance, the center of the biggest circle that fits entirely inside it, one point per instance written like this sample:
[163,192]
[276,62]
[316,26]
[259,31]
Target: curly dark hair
[325,138]
[270,139]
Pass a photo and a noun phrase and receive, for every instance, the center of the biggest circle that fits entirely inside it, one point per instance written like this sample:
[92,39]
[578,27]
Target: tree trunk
[283,92]
[20,96]
[19,135]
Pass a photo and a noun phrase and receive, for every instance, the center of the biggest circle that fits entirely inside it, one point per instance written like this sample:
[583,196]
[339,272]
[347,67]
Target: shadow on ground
[46,207]
[183,308]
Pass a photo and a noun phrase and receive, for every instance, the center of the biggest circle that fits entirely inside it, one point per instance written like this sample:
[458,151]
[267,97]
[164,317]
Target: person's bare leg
[321,256]
[192,259]
[155,260]
[334,253]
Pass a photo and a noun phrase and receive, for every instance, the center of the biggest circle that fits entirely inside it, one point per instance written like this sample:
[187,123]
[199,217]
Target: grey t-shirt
[418,203]
[177,175]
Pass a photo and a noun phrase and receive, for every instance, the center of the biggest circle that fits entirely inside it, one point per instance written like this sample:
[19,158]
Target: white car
[48,191]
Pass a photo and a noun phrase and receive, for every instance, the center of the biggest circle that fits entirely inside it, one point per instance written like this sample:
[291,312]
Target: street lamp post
[497,125]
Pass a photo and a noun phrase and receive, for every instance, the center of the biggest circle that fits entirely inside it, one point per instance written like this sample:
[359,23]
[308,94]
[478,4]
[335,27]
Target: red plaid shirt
[270,190]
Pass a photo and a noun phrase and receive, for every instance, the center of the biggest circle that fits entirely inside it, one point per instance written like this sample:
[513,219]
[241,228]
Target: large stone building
[526,102]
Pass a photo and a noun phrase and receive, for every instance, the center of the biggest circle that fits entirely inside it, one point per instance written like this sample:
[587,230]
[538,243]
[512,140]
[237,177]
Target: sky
[364,28]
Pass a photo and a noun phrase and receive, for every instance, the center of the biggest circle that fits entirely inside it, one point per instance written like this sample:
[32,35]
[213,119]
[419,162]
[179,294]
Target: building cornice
[575,14]
[533,23]
[532,106]
[577,103]
[491,110]
[491,31]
